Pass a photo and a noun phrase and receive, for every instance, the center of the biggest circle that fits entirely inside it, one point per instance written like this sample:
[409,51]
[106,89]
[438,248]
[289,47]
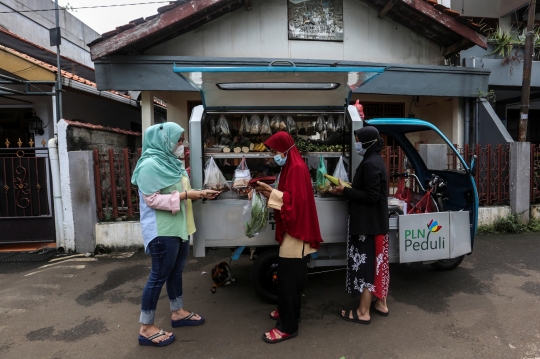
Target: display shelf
[269,154]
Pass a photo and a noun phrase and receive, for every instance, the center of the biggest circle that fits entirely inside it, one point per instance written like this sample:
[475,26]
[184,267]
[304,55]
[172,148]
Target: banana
[335,181]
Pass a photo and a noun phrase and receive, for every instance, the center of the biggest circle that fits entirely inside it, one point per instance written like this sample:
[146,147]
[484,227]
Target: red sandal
[274,315]
[274,333]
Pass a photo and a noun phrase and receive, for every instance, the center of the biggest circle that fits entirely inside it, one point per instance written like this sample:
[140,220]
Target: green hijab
[158,167]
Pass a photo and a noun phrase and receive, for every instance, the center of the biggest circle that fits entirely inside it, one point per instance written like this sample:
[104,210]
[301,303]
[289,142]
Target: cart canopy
[283,87]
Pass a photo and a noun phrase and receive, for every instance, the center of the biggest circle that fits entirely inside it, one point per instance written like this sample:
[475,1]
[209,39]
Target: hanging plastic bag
[274,124]
[292,127]
[282,124]
[265,126]
[320,126]
[255,215]
[255,125]
[360,109]
[212,126]
[340,171]
[340,124]
[245,126]
[213,177]
[241,178]
[330,124]
[222,127]
[323,185]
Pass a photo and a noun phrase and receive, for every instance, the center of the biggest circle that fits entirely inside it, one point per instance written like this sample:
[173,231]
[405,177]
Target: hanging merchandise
[348,124]
[255,215]
[323,184]
[274,124]
[213,177]
[292,127]
[212,126]
[222,126]
[241,178]
[255,125]
[265,126]
[340,171]
[360,109]
[282,124]
[245,127]
[340,124]
[330,124]
[320,125]
[311,129]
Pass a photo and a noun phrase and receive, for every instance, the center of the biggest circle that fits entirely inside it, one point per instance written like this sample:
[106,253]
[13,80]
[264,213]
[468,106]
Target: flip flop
[148,341]
[355,318]
[273,336]
[375,310]
[187,322]
[274,315]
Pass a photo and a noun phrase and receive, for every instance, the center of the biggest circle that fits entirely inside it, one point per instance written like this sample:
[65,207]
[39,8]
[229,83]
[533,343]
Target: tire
[263,276]
[447,264]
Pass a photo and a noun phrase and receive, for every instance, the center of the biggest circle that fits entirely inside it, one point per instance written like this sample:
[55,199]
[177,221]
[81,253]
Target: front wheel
[263,275]
[447,264]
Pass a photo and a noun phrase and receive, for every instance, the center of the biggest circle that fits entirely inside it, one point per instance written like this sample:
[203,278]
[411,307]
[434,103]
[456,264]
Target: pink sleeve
[164,202]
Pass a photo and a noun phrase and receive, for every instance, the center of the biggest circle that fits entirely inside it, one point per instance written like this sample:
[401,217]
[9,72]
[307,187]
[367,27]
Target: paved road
[88,308]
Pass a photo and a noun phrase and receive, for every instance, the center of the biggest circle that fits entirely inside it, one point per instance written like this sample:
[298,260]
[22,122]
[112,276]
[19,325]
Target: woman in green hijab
[166,222]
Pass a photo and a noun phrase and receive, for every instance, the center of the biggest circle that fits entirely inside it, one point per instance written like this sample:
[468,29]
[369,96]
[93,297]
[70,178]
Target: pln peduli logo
[433,226]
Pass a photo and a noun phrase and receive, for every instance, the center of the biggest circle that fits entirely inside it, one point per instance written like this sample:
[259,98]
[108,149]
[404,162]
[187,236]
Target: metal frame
[6,80]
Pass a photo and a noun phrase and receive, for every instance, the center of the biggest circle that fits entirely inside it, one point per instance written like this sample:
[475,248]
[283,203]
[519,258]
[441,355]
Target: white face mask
[179,152]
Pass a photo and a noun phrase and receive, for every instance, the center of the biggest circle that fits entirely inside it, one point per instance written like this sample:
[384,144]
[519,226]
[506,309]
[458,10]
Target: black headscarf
[366,135]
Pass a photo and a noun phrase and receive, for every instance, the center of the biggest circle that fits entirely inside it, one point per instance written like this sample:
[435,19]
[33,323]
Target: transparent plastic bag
[255,215]
[213,177]
[340,171]
[323,185]
[292,127]
[274,124]
[282,125]
[330,124]
[245,126]
[265,126]
[212,126]
[255,125]
[241,178]
[320,126]
[340,124]
[222,127]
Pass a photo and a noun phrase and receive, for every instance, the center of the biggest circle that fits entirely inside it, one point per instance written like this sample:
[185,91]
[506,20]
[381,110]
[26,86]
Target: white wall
[34,26]
[262,32]
[487,8]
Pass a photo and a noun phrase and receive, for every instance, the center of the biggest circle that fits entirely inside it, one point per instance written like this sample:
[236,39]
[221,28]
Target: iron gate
[26,211]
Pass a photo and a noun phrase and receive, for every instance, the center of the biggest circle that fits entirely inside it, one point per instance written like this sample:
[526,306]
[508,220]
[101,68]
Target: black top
[368,197]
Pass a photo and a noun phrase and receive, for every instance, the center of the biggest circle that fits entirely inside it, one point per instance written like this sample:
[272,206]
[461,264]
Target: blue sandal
[148,341]
[187,322]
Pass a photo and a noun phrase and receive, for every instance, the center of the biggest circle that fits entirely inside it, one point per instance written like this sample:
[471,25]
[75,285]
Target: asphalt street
[76,307]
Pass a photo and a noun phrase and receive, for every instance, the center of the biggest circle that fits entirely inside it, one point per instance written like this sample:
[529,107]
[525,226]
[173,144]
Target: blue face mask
[280,160]
[362,151]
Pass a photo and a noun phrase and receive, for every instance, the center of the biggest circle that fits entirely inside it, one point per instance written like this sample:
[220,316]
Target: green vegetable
[259,215]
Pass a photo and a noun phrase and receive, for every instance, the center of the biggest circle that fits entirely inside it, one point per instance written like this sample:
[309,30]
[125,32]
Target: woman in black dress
[367,246]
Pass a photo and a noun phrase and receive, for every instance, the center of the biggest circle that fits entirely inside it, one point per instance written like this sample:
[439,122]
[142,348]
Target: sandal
[187,322]
[377,311]
[355,318]
[277,336]
[275,315]
[147,341]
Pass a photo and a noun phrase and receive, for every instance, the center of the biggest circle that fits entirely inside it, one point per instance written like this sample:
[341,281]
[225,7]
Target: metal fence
[116,197]
[24,182]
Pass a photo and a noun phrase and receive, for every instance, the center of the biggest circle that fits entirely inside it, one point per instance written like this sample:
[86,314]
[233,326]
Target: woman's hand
[204,194]
[264,189]
[338,189]
[210,194]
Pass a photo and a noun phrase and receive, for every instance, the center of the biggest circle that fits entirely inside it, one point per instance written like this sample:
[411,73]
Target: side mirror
[472,167]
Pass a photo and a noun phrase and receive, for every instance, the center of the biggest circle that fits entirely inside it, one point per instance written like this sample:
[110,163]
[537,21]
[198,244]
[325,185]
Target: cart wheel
[263,275]
[447,264]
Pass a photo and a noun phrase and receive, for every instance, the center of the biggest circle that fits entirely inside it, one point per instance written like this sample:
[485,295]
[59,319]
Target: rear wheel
[263,275]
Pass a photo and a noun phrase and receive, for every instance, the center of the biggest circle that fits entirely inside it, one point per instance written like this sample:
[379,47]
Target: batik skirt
[367,265]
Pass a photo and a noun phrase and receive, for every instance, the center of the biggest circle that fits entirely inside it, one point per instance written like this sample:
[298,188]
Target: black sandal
[377,311]
[355,318]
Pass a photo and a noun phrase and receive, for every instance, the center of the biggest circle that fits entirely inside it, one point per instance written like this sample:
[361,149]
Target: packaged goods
[255,215]
[241,178]
[274,124]
[340,171]
[292,127]
[320,125]
[213,178]
[265,126]
[222,127]
[255,125]
[323,184]
[212,126]
[330,124]
[282,125]
[245,126]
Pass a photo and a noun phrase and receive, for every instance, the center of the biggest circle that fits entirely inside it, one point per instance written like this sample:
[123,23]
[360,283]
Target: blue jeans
[169,256]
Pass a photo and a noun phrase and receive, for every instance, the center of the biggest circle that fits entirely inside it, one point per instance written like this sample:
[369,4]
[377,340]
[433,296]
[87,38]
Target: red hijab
[298,216]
